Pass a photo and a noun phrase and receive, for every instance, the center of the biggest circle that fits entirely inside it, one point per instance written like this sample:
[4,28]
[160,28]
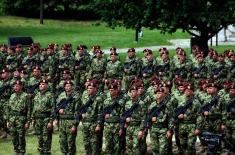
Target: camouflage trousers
[92,141]
[159,142]
[132,142]
[187,138]
[44,135]
[230,135]
[67,138]
[17,131]
[111,136]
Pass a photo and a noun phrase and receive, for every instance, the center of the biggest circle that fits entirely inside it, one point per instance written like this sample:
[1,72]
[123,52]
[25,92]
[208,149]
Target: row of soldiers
[174,73]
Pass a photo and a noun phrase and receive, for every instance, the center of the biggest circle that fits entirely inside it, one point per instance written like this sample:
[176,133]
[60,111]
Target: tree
[207,17]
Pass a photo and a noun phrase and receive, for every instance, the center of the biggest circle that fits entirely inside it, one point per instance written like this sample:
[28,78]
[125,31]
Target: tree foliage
[206,17]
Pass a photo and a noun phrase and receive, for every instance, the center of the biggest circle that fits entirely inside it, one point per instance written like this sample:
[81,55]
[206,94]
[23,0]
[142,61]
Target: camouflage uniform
[164,123]
[17,118]
[67,122]
[91,140]
[135,125]
[187,125]
[111,126]
[42,108]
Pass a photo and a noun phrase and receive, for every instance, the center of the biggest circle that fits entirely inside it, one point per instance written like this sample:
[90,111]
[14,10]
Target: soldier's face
[98,54]
[5,75]
[181,88]
[36,72]
[43,86]
[134,93]
[16,74]
[200,59]
[113,56]
[17,88]
[159,95]
[140,90]
[91,90]
[188,92]
[113,92]
[149,57]
[68,87]
[211,90]
[131,54]
[232,92]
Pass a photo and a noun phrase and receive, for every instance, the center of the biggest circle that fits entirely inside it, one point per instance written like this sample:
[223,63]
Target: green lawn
[80,32]
[6,146]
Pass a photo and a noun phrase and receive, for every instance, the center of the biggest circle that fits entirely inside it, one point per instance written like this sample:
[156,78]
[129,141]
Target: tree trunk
[41,11]
[136,34]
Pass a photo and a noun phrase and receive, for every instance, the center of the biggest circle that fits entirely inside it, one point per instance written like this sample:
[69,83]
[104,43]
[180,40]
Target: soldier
[210,115]
[186,115]
[68,104]
[109,118]
[148,67]
[41,115]
[92,105]
[18,117]
[5,92]
[132,67]
[160,122]
[81,67]
[11,61]
[131,119]
[228,123]
[97,68]
[114,66]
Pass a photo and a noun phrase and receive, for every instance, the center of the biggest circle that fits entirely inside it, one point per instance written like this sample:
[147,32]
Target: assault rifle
[183,109]
[209,105]
[107,110]
[147,69]
[212,140]
[4,88]
[163,68]
[61,105]
[198,70]
[127,65]
[85,107]
[31,89]
[155,112]
[78,62]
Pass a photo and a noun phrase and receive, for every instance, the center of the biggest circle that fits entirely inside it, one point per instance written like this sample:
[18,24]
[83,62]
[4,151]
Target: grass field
[80,32]
[6,146]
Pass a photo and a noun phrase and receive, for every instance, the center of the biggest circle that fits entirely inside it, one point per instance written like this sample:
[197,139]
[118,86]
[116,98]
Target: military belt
[91,120]
[135,123]
[114,119]
[187,121]
[160,125]
[67,117]
[214,117]
[42,114]
[17,113]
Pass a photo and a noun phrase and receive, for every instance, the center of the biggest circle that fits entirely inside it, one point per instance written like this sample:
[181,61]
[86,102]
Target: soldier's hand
[206,113]
[128,119]
[154,119]
[8,125]
[120,132]
[197,132]
[61,111]
[140,134]
[98,128]
[107,116]
[73,130]
[55,122]
[168,134]
[223,127]
[83,115]
[26,125]
[181,116]
[49,126]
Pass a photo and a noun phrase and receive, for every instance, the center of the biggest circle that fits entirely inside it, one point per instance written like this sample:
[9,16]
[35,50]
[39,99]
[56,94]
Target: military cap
[113,86]
[37,67]
[131,50]
[113,49]
[159,89]
[166,84]
[44,81]
[3,45]
[66,71]
[93,83]
[18,82]
[147,50]
[11,48]
[80,47]
[18,46]
[98,51]
[134,87]
[4,70]
[162,49]
[188,85]
[64,48]
[113,53]
[95,47]
[68,82]
[30,48]
[212,85]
